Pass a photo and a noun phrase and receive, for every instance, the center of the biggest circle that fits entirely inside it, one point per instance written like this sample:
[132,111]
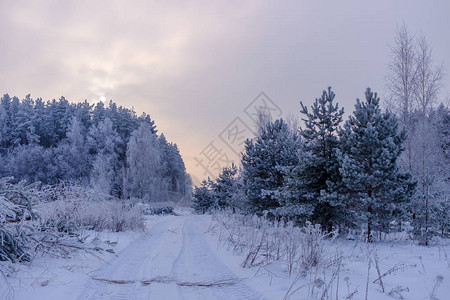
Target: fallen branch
[58,244]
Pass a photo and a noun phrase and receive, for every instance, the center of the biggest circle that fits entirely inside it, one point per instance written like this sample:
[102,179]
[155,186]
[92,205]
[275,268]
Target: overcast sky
[195,67]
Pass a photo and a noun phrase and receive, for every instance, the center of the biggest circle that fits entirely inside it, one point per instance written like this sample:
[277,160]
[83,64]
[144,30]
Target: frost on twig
[50,220]
[398,267]
[15,212]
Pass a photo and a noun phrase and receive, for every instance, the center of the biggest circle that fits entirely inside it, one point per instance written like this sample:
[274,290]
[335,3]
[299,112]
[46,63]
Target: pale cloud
[194,66]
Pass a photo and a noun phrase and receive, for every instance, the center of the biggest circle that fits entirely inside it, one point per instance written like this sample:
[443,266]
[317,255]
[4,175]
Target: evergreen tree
[143,176]
[12,123]
[440,213]
[62,117]
[224,187]
[145,118]
[166,165]
[83,112]
[315,182]
[24,123]
[103,142]
[370,147]
[7,123]
[180,176]
[203,198]
[74,161]
[39,113]
[173,168]
[263,164]
[3,129]
[49,136]
[57,140]
[99,113]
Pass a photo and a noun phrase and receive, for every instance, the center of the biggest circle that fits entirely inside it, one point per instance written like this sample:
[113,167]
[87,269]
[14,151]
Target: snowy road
[175,259]
[172,261]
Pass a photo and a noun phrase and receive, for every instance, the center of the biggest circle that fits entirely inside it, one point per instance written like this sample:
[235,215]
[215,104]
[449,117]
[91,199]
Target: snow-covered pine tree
[57,140]
[7,127]
[24,122]
[316,181]
[38,116]
[98,113]
[3,129]
[145,118]
[263,163]
[178,182]
[166,165]
[83,112]
[203,198]
[60,119]
[173,169]
[143,171]
[73,157]
[370,145]
[224,187]
[103,143]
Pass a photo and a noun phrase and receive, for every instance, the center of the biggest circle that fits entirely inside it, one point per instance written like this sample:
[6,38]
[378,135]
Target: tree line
[380,170]
[107,147]
[337,175]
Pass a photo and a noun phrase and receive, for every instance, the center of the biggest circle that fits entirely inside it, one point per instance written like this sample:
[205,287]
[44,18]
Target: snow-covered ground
[180,257]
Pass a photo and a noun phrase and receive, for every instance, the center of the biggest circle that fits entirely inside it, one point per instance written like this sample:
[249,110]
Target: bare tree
[401,82]
[414,84]
[428,77]
[428,84]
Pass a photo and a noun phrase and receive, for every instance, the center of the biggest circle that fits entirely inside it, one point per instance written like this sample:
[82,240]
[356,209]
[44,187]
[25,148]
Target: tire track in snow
[198,263]
[147,257]
[176,250]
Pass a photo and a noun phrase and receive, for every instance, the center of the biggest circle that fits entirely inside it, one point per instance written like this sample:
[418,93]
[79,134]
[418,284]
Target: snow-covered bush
[46,220]
[160,211]
[15,212]
[312,247]
[78,208]
[264,241]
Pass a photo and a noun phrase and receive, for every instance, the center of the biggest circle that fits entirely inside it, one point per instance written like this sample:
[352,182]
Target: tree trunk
[426,218]
[369,220]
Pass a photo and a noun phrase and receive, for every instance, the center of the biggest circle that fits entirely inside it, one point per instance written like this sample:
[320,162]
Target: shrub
[15,211]
[81,208]
[161,211]
[264,241]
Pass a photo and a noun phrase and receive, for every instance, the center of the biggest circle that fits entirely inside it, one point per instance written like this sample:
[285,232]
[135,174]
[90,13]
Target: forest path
[171,261]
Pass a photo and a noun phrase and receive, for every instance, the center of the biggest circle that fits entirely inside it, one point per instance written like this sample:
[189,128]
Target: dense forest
[107,147]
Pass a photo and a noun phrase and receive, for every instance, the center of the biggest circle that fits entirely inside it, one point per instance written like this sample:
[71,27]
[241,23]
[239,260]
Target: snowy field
[181,257]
